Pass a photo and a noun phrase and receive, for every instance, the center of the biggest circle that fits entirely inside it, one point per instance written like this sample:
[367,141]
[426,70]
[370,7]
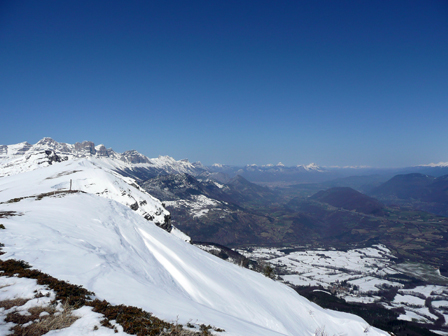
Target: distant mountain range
[138,166]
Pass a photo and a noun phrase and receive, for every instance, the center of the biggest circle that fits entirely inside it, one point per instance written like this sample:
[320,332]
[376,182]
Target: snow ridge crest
[23,157]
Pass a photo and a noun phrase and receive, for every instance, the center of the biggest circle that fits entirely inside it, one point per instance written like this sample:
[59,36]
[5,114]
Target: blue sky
[235,82]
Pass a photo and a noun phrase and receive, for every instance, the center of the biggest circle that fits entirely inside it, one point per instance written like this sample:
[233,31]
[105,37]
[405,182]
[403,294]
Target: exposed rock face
[53,157]
[102,151]
[86,146]
[167,225]
[3,149]
[132,156]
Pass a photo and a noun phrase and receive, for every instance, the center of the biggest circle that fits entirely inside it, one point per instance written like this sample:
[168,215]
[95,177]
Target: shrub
[268,271]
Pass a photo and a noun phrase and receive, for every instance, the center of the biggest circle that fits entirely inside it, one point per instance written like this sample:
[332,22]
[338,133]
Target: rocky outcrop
[87,146]
[132,156]
[53,157]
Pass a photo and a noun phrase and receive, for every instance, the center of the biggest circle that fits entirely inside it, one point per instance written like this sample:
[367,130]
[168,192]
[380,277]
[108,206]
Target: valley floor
[364,275]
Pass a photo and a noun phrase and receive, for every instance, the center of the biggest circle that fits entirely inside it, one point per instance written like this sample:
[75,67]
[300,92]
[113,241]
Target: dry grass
[54,320]
[182,332]
[8,304]
[6,214]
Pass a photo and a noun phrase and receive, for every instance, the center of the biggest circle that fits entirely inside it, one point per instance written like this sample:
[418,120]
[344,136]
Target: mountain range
[78,213]
[130,163]
[138,166]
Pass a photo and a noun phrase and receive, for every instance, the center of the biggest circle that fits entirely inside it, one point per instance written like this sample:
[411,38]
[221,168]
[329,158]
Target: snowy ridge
[18,158]
[98,237]
[108,248]
[89,176]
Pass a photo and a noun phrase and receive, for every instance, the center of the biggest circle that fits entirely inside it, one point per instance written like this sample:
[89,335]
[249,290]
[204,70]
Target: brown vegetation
[133,320]
[42,323]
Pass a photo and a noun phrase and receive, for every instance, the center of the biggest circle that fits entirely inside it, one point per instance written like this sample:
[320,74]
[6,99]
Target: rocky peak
[24,147]
[47,142]
[87,147]
[102,151]
[136,165]
[132,156]
[198,164]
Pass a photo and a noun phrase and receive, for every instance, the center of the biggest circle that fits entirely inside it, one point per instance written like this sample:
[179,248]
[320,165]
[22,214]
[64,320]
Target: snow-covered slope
[86,175]
[22,157]
[95,239]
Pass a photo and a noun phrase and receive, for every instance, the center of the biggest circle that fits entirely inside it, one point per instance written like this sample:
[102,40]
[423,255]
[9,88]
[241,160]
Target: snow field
[87,176]
[363,268]
[109,249]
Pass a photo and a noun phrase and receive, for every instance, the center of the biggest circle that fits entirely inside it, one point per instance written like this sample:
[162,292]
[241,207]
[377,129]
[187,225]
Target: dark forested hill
[349,199]
[416,190]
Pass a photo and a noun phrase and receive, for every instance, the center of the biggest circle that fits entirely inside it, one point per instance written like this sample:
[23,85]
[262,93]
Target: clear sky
[234,82]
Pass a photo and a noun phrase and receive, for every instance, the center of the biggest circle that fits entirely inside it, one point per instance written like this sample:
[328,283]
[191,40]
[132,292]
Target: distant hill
[349,199]
[432,170]
[241,191]
[420,191]
[407,186]
[362,183]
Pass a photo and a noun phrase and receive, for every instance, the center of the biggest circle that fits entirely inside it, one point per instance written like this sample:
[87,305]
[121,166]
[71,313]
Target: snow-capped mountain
[440,164]
[311,167]
[71,215]
[24,157]
[280,172]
